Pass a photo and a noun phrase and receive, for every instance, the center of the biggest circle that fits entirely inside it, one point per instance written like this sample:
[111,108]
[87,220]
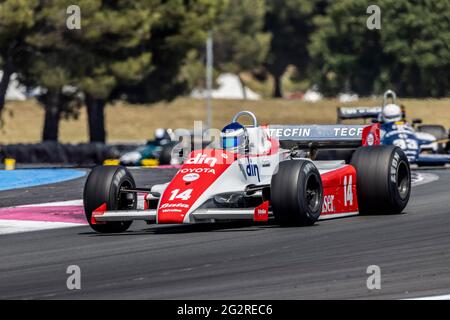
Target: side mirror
[416,121]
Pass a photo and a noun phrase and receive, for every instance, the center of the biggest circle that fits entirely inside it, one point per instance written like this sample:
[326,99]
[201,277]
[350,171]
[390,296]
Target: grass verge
[125,122]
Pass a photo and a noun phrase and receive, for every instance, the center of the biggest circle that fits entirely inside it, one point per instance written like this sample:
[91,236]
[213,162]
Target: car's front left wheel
[296,193]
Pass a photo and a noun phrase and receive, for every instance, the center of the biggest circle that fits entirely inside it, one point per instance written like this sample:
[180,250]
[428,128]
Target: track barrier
[54,152]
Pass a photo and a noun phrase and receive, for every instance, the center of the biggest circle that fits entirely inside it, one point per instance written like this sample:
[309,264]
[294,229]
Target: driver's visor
[231,142]
[391,117]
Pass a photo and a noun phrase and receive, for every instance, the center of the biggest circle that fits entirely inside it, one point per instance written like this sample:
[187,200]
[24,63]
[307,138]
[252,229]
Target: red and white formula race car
[296,174]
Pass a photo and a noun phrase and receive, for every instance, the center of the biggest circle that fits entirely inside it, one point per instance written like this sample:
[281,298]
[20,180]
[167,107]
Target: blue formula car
[425,145]
[419,147]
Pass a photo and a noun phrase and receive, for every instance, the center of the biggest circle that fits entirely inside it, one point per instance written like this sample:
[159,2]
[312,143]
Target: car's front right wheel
[103,186]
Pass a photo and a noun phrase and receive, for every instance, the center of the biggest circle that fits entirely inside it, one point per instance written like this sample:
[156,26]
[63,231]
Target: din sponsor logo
[202,159]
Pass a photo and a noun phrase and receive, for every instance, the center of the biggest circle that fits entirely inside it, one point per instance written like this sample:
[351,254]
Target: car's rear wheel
[296,193]
[383,179]
[103,186]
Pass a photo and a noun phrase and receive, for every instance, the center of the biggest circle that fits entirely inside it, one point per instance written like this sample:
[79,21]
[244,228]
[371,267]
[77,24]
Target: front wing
[432,159]
[202,215]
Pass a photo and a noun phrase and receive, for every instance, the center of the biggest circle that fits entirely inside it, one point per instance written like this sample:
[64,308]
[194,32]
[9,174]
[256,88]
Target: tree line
[151,50]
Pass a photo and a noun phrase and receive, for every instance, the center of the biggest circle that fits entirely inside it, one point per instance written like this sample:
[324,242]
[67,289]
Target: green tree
[17,19]
[108,51]
[49,65]
[175,45]
[291,24]
[59,99]
[410,52]
[415,38]
[88,62]
[240,43]
[121,51]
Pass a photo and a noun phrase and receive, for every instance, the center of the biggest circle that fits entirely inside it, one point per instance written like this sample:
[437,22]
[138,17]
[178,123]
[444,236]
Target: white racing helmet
[392,113]
[235,138]
[163,134]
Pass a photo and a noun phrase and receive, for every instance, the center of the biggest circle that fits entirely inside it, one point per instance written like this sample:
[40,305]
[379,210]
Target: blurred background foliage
[145,51]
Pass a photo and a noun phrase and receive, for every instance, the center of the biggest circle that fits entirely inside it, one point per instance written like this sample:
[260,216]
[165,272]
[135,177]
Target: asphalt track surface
[233,261]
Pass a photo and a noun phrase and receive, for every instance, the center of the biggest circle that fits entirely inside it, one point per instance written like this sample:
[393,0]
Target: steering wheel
[246,113]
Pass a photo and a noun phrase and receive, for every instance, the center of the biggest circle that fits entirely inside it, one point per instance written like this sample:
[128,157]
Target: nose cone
[188,188]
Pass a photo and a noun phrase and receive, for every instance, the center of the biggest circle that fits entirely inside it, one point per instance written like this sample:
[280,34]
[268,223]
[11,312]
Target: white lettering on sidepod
[347,132]
[197,170]
[174,205]
[328,204]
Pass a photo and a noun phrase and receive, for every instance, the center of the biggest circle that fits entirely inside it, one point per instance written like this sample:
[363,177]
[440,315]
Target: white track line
[19,226]
[443,297]
[424,178]
[78,202]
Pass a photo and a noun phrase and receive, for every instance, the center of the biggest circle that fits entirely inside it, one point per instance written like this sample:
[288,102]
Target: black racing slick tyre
[383,179]
[103,185]
[296,193]
[438,132]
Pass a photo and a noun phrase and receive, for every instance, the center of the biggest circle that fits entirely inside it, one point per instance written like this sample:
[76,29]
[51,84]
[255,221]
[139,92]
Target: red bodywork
[201,170]
[201,176]
[339,191]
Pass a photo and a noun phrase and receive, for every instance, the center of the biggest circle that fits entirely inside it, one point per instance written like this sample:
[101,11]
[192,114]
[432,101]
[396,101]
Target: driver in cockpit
[235,138]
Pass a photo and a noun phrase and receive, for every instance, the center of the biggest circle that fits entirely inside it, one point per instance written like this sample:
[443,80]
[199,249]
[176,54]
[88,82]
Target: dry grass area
[24,120]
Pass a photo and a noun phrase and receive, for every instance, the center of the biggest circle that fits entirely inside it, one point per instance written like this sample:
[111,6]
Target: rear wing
[325,136]
[346,113]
